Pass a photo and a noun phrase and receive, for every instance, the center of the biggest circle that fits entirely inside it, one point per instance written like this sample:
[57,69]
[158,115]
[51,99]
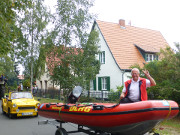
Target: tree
[7,22]
[10,38]
[89,65]
[77,58]
[177,46]
[10,33]
[32,23]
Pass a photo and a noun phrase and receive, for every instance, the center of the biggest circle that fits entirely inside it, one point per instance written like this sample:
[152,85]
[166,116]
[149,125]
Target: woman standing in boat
[135,89]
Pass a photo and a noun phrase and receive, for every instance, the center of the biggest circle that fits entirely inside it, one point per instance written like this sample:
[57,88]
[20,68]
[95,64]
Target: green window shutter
[99,83]
[94,84]
[108,83]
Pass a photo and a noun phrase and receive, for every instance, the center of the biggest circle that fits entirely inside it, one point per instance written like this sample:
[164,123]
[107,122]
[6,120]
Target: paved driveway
[29,126]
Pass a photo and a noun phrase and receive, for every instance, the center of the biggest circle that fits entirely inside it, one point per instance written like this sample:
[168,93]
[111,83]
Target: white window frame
[151,57]
[104,83]
[102,57]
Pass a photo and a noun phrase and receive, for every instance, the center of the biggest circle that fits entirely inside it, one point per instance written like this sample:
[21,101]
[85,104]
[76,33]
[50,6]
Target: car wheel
[61,131]
[36,115]
[11,116]
[3,110]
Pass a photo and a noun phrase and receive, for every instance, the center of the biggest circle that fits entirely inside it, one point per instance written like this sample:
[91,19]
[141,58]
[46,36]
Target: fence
[99,95]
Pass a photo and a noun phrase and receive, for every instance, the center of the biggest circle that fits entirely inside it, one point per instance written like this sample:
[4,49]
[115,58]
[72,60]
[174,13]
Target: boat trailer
[61,131]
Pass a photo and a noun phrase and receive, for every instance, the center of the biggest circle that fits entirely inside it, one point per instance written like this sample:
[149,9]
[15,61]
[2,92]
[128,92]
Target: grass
[47,100]
[169,127]
[175,122]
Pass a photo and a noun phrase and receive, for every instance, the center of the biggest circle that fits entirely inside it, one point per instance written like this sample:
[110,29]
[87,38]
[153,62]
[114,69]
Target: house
[45,81]
[121,46]
[20,77]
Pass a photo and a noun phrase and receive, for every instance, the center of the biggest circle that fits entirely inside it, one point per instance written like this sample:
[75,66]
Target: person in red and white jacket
[135,89]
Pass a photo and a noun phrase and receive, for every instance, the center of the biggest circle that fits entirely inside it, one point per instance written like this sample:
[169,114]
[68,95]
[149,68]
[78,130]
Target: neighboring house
[20,77]
[45,81]
[121,46]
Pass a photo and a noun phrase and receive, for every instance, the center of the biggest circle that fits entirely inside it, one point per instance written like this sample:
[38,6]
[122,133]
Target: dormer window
[151,57]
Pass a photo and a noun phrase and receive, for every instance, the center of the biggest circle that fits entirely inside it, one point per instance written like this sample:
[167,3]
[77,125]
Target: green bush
[114,96]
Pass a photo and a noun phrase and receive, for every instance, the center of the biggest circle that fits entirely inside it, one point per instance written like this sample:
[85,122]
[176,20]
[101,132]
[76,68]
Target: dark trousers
[127,100]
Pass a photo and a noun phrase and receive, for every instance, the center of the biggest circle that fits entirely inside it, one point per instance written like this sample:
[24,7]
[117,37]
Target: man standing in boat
[135,89]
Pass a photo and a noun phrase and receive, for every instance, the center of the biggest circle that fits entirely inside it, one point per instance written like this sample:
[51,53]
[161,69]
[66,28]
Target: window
[93,84]
[151,57]
[104,83]
[102,57]
[41,85]
[45,85]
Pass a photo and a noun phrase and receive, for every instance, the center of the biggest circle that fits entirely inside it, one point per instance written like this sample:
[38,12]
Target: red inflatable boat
[126,119]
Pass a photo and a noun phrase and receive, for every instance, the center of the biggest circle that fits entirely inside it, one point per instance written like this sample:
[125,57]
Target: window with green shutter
[93,84]
[104,83]
[151,57]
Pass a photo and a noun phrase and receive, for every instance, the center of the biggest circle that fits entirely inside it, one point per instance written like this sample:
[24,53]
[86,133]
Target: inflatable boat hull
[131,118]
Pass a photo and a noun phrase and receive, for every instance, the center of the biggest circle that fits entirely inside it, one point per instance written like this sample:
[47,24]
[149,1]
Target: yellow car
[20,104]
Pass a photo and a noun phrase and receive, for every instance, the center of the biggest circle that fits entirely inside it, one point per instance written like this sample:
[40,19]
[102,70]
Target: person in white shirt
[135,89]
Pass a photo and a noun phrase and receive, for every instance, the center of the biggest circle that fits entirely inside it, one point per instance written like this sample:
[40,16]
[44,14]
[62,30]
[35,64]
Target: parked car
[20,104]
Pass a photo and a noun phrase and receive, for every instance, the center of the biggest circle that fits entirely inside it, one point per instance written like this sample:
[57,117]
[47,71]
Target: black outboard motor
[75,95]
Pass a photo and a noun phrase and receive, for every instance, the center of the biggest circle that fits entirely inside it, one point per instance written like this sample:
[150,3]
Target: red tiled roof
[53,59]
[21,77]
[123,42]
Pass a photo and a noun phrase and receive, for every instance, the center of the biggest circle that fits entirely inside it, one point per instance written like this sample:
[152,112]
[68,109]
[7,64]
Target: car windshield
[21,95]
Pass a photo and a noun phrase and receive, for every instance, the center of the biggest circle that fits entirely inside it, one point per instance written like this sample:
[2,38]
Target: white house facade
[45,82]
[110,75]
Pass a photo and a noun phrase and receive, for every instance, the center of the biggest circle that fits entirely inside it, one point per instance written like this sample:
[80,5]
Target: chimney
[122,23]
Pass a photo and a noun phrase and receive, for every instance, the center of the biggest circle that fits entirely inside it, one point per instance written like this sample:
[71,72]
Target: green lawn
[169,127]
[47,100]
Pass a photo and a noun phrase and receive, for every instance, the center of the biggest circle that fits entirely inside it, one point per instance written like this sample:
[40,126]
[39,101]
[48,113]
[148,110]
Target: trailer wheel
[61,131]
[104,134]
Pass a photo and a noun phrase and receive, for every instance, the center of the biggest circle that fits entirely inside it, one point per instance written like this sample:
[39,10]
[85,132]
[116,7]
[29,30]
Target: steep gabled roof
[124,42]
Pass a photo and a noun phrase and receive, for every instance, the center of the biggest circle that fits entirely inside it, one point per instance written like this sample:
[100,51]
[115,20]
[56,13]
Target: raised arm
[146,72]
